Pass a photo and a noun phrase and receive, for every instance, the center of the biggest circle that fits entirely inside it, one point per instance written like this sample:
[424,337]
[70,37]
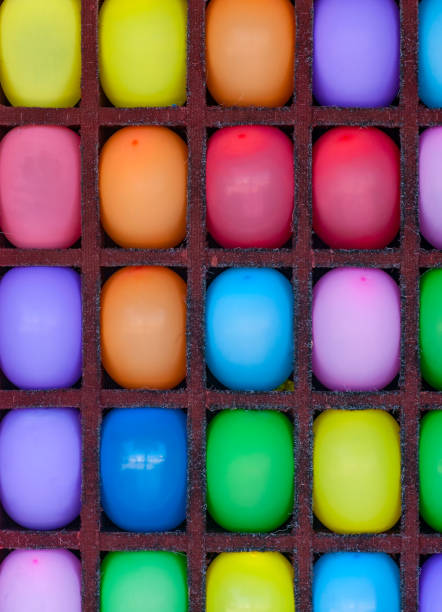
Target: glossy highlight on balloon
[40,187]
[143,468]
[143,327]
[240,581]
[156,581]
[250,51]
[48,580]
[356,321]
[143,187]
[250,470]
[142,47]
[41,327]
[250,187]
[356,471]
[356,188]
[40,467]
[249,328]
[356,581]
[356,52]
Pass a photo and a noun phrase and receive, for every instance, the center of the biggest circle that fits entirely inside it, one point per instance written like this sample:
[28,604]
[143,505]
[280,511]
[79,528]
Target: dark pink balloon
[250,187]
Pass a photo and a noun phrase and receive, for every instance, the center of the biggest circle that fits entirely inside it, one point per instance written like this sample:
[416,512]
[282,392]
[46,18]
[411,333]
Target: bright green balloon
[430,469]
[250,470]
[431,327]
[144,582]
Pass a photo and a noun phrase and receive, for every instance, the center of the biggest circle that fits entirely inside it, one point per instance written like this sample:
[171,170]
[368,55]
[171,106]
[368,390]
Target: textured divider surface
[304,539]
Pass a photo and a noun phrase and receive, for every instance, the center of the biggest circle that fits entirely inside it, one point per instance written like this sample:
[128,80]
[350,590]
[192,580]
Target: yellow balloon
[356,470]
[40,52]
[142,52]
[252,581]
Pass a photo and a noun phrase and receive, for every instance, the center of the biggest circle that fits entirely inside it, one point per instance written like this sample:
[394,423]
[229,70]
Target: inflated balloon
[143,187]
[250,51]
[40,327]
[356,581]
[40,466]
[430,327]
[356,52]
[356,188]
[40,187]
[142,52]
[356,470]
[249,328]
[250,469]
[250,581]
[430,185]
[48,580]
[430,53]
[430,477]
[356,320]
[40,52]
[250,187]
[430,585]
[143,467]
[156,580]
[143,327]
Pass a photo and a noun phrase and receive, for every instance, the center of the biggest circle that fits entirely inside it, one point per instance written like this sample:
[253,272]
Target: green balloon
[144,582]
[431,327]
[250,470]
[430,469]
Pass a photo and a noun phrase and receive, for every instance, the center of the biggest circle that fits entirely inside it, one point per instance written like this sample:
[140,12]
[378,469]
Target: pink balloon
[250,187]
[356,329]
[37,580]
[430,186]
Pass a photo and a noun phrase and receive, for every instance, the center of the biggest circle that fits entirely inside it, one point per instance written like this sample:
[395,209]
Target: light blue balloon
[430,52]
[356,582]
[249,328]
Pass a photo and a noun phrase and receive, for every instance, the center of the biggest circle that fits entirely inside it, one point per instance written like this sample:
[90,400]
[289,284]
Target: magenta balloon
[40,327]
[40,466]
[356,52]
[430,186]
[356,329]
[250,187]
[40,580]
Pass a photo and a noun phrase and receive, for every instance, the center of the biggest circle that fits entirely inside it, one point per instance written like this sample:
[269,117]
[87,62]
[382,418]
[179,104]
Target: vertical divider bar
[301,398]
[410,407]
[196,549]
[90,392]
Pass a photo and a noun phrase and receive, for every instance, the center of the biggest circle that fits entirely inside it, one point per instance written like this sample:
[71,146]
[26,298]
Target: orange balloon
[143,327]
[250,51]
[143,187]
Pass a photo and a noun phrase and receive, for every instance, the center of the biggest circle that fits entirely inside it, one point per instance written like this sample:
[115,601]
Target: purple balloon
[356,321]
[40,466]
[430,585]
[356,54]
[40,327]
[430,186]
[37,580]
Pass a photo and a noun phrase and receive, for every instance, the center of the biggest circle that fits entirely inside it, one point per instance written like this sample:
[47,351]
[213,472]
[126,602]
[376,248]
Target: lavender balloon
[356,52]
[430,585]
[37,580]
[40,327]
[430,186]
[40,466]
[356,329]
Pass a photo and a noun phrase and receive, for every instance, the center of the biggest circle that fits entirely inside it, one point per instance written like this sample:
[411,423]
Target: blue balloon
[143,466]
[249,328]
[430,52]
[356,582]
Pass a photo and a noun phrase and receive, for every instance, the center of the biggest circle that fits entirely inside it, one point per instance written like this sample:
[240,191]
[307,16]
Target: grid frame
[409,401]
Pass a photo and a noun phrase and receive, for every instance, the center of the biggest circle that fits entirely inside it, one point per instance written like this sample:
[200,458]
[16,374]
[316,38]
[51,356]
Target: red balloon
[250,187]
[356,188]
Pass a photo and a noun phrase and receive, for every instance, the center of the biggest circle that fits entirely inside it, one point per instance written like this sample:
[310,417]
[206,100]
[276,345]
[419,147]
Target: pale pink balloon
[356,329]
